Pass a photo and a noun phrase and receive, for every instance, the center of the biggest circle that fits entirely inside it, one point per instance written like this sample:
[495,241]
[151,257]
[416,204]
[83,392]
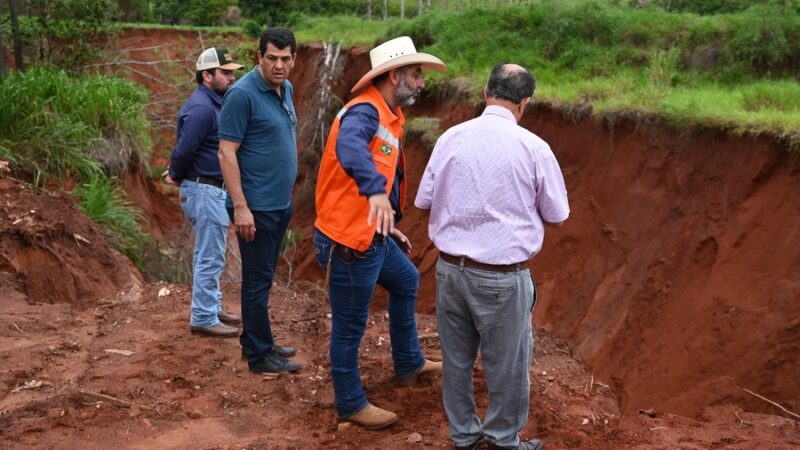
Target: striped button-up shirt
[490,184]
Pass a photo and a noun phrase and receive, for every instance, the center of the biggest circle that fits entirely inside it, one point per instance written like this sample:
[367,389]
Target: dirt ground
[121,370]
[672,288]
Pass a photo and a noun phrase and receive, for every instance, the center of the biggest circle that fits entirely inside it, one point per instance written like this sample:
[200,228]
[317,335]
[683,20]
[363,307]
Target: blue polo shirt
[254,116]
[195,154]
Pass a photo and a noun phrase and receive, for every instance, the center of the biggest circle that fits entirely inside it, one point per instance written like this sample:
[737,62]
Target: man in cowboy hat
[195,167]
[359,198]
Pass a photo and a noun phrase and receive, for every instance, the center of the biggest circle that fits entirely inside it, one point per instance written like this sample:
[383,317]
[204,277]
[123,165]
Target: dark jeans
[350,292]
[259,259]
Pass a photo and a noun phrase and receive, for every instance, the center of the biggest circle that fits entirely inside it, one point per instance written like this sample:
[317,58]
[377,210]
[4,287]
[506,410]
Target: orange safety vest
[341,211]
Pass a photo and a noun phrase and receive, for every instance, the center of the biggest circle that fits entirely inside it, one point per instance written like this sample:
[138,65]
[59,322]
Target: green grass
[105,204]
[734,70]
[737,70]
[55,126]
[345,29]
[216,29]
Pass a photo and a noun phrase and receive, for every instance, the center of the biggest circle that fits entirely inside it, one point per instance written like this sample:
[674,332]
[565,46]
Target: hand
[244,223]
[168,179]
[402,241]
[381,212]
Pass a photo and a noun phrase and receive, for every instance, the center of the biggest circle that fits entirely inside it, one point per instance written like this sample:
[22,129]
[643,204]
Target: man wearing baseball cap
[195,167]
[360,193]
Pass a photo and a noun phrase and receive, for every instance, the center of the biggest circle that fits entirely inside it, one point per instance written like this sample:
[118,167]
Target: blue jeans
[259,259]
[204,206]
[350,293]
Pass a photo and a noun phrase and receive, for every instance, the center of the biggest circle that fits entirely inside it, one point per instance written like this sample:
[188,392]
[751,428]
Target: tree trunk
[385,9]
[402,9]
[369,10]
[419,7]
[2,57]
[12,5]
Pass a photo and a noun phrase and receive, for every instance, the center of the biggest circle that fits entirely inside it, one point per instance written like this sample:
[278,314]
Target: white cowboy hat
[396,53]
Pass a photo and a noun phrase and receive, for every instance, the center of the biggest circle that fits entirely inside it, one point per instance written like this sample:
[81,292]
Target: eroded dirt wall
[678,273]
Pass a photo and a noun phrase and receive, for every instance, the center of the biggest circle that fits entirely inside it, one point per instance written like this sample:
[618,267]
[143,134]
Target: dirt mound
[53,253]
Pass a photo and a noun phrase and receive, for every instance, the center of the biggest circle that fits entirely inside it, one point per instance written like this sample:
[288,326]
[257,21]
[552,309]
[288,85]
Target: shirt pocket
[382,159]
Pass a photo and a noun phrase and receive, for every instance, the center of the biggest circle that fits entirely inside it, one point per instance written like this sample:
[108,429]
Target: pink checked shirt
[490,184]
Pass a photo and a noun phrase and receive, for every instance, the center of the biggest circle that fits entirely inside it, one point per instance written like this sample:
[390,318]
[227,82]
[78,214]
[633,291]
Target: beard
[219,87]
[405,95]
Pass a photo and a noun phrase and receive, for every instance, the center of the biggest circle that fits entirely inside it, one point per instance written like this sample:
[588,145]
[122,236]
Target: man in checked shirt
[491,186]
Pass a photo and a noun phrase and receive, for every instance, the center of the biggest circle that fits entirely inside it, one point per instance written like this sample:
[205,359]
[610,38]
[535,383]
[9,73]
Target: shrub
[251,28]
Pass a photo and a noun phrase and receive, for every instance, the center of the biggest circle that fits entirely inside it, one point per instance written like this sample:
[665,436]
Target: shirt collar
[497,110]
[211,94]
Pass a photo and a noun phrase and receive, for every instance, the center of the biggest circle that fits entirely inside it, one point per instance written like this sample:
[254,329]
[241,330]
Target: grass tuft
[105,204]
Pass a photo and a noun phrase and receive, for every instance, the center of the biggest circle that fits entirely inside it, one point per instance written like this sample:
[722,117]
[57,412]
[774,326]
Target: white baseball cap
[216,57]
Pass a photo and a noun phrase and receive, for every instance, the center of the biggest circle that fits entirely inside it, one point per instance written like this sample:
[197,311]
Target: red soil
[676,257]
[675,279]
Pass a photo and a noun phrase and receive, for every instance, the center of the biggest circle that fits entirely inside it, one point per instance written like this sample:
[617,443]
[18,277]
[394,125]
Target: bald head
[510,82]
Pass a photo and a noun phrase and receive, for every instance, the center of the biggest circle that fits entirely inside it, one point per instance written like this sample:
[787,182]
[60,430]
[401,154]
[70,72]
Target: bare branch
[795,415]
[133,62]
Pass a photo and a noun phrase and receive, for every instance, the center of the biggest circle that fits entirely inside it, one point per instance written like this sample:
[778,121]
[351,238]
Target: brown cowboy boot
[373,418]
[428,368]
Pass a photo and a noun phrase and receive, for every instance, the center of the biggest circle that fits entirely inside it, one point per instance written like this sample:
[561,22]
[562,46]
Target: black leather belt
[348,255]
[457,260]
[207,180]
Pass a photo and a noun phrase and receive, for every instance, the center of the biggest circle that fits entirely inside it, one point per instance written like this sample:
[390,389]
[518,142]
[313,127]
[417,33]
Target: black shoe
[533,444]
[283,352]
[273,363]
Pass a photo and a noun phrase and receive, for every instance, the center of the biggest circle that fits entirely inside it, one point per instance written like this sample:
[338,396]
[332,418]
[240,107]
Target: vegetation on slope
[736,71]
[54,128]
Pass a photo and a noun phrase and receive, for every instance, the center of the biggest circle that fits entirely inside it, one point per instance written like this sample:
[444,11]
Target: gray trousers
[491,311]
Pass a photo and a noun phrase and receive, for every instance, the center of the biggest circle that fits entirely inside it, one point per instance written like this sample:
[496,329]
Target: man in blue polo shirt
[195,166]
[258,156]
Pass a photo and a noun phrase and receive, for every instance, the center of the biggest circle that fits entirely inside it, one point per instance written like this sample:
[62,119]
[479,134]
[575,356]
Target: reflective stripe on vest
[382,132]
